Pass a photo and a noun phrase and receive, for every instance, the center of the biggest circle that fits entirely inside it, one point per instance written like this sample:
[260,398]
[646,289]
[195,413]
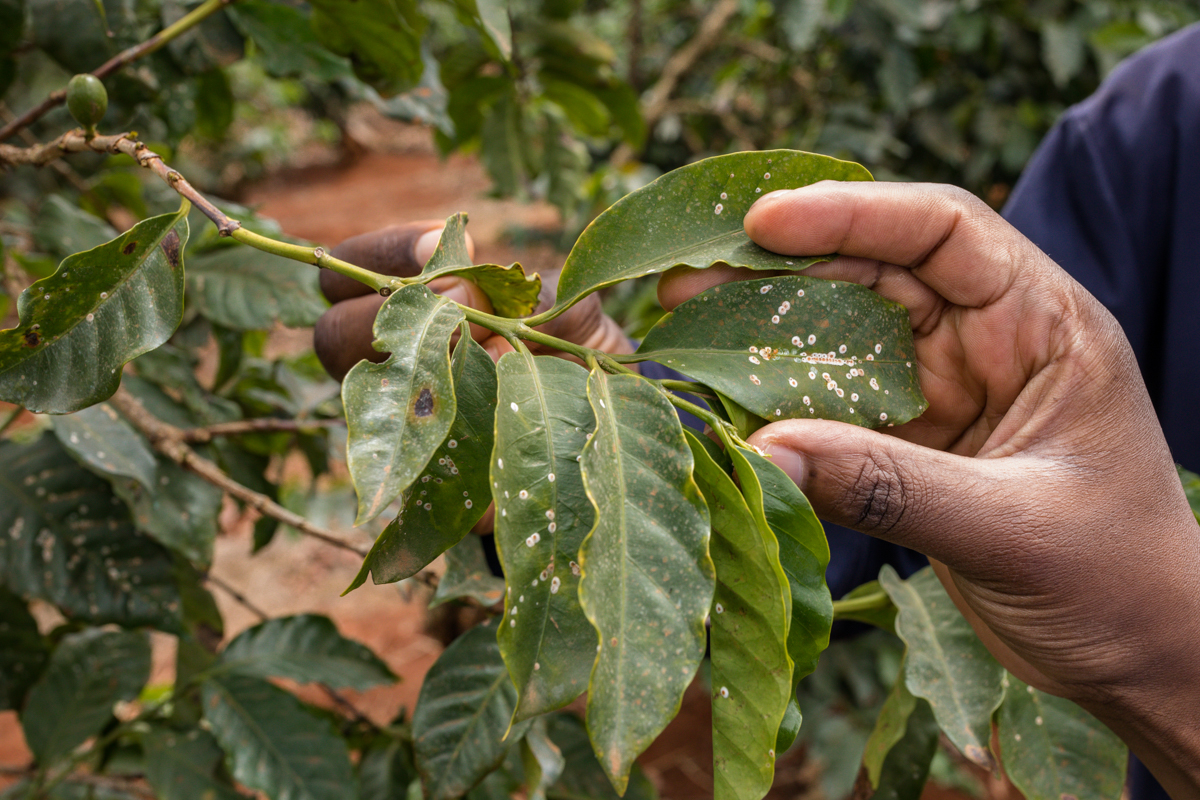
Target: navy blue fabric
[1113,195]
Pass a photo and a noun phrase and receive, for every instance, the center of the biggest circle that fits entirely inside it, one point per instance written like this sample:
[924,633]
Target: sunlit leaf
[511,291]
[1053,749]
[463,715]
[23,651]
[441,507]
[751,670]
[185,765]
[693,216]
[245,289]
[305,648]
[946,665]
[542,515]
[69,541]
[88,673]
[468,575]
[101,309]
[400,411]
[272,743]
[647,577]
[794,347]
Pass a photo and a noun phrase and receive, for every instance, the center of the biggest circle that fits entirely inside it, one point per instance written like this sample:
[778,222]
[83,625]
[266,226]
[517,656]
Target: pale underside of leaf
[693,216]
[946,665]
[542,515]
[792,347]
[400,411]
[101,309]
[647,576]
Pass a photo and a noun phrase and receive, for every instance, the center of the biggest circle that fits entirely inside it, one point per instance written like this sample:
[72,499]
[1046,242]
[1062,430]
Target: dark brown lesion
[129,248]
[423,407]
[32,338]
[170,248]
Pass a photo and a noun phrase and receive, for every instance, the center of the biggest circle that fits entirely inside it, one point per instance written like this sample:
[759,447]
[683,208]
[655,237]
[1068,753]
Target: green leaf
[468,575]
[273,744]
[400,411]
[88,673]
[693,216]
[244,289]
[214,104]
[889,727]
[462,716]
[906,767]
[745,421]
[1053,749]
[1063,50]
[647,578]
[789,728]
[803,555]
[946,665]
[751,610]
[12,24]
[792,347]
[881,615]
[23,651]
[69,541]
[286,42]
[542,516]
[102,440]
[445,503]
[1191,489]
[382,38]
[505,138]
[306,648]
[63,228]
[490,17]
[511,291]
[386,770]
[185,765]
[583,778]
[101,309]
[542,760]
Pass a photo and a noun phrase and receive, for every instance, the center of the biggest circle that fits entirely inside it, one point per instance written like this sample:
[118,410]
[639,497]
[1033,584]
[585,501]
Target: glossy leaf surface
[400,411]
[69,541]
[468,575]
[647,577]
[463,714]
[23,651]
[693,215]
[442,506]
[306,648]
[794,347]
[245,289]
[751,669]
[946,665]
[803,555]
[101,309]
[185,765]
[511,291]
[1053,749]
[272,743]
[101,438]
[73,700]
[542,516]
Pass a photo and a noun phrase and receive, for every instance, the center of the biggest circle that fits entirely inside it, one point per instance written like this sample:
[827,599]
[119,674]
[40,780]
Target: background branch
[170,441]
[264,425]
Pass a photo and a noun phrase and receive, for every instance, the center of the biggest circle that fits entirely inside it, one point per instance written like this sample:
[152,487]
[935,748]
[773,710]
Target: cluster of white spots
[719,208]
[575,570]
[453,443]
[764,289]
[792,383]
[754,360]
[532,539]
[878,348]
[754,379]
[828,358]
[550,477]
[785,307]
[797,341]
[724,692]
[807,400]
[513,406]
[883,416]
[874,384]
[524,495]
[554,584]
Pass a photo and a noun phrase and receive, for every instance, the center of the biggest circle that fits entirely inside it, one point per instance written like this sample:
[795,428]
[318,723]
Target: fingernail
[425,245]
[787,460]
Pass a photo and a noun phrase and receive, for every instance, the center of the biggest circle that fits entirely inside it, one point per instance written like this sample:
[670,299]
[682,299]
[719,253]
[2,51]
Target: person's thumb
[946,506]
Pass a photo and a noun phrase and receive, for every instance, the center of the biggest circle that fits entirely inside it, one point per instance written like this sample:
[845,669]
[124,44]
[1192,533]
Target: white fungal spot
[812,374]
[91,317]
[754,379]
[512,623]
[452,444]
[767,175]
[504,512]
[513,406]
[552,527]
[536,666]
[1037,720]
[775,319]
[549,514]
[874,384]
[908,364]
[524,495]
[429,506]
[807,400]
[778,412]
[757,189]
[1017,737]
[754,360]
[602,403]
[764,289]
[842,349]
[771,753]
[719,208]
[796,341]
[533,539]
[550,477]
[724,196]
[883,416]
[812,339]
[720,609]
[753,349]
[724,692]
[785,307]
[575,569]
[554,584]
[840,392]
[854,397]
[792,382]
[104,295]
[870,357]
[500,463]
[878,348]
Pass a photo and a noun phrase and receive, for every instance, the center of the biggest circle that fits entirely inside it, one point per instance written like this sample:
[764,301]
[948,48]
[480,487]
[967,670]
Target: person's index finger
[951,240]
[390,251]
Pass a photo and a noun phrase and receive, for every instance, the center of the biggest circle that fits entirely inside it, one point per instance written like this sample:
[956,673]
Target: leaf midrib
[927,618]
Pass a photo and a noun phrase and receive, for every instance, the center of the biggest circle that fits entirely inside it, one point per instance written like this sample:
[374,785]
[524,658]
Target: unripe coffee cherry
[87,100]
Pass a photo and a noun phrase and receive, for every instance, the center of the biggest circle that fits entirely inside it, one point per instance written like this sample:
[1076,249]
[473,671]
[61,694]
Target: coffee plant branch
[128,56]
[171,442]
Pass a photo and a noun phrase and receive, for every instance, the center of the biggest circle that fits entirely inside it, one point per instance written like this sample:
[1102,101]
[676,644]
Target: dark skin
[1038,481]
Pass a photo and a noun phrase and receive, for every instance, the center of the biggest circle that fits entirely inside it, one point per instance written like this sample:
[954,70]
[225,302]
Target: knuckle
[881,494]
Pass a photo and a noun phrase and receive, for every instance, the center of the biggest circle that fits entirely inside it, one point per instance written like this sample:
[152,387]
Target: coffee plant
[637,554]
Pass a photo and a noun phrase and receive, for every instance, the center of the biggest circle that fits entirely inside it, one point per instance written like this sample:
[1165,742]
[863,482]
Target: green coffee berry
[87,100]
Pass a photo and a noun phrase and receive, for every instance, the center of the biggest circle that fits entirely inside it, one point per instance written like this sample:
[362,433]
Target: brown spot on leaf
[170,248]
[423,407]
[32,338]
[129,248]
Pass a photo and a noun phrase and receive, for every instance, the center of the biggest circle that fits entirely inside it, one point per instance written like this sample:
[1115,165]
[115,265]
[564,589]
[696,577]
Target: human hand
[1039,477]
[343,334]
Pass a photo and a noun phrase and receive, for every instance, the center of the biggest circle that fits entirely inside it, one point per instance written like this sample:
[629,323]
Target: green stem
[686,386]
[868,602]
[384,284]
